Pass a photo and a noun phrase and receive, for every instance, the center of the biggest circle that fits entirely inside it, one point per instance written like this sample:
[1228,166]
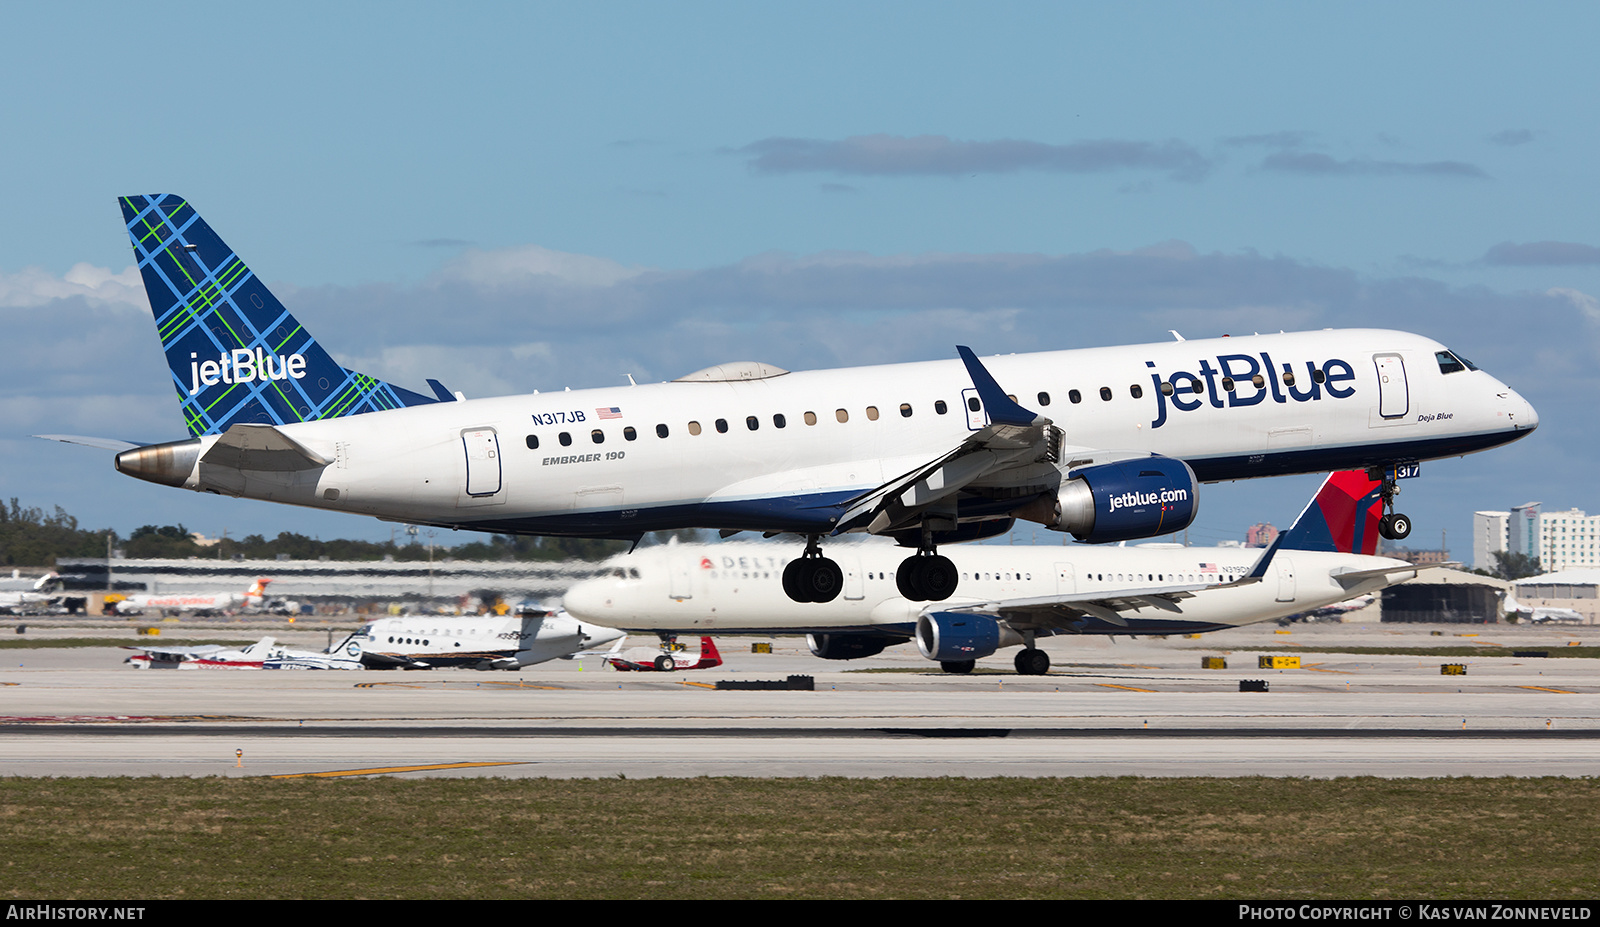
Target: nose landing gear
[1393,525]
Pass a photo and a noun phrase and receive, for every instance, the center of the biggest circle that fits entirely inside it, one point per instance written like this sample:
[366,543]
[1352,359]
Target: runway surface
[1123,707]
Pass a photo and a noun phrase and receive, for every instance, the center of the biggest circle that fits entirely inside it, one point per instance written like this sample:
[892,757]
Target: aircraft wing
[206,650]
[1065,611]
[1013,437]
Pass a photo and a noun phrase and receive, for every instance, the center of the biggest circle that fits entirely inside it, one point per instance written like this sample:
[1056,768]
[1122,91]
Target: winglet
[1002,409]
[1342,518]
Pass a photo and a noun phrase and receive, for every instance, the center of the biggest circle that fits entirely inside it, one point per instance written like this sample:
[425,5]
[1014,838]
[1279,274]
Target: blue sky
[520,196]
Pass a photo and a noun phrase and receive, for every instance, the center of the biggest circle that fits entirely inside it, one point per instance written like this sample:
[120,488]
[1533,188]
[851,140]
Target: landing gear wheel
[822,580]
[1394,526]
[1032,661]
[936,576]
[957,666]
[926,578]
[793,586]
[666,664]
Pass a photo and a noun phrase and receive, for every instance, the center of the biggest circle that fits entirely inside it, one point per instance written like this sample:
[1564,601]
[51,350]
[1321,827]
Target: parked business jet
[263,654]
[1108,443]
[1541,614]
[203,602]
[1009,595]
[19,594]
[483,642]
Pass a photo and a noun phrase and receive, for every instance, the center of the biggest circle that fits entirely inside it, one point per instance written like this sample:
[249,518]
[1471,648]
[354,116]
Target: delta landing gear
[1393,525]
[812,578]
[1031,661]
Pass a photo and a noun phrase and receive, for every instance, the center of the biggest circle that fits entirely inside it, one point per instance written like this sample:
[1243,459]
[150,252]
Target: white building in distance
[1561,540]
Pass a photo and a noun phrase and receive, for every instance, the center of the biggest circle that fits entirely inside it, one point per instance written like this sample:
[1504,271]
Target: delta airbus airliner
[1009,596]
[1106,443]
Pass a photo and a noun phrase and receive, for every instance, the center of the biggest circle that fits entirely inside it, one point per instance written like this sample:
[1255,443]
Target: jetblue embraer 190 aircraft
[1106,443]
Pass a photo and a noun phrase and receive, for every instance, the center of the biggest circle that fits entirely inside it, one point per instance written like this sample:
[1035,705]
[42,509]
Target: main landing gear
[1393,525]
[812,578]
[924,577]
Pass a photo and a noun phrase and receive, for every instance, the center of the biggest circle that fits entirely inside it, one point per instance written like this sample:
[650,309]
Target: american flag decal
[1208,568]
[609,412]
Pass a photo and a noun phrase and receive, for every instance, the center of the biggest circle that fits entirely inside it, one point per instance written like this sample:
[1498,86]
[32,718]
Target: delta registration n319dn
[1106,443]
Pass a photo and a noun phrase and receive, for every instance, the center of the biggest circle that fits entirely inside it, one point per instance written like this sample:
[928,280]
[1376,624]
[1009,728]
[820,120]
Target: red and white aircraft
[195,601]
[648,660]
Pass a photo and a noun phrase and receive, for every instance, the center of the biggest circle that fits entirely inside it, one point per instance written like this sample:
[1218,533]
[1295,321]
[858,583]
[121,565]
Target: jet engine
[1120,501]
[957,636]
[850,646]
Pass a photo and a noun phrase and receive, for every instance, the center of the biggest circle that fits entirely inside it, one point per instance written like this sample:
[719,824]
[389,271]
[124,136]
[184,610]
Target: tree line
[31,537]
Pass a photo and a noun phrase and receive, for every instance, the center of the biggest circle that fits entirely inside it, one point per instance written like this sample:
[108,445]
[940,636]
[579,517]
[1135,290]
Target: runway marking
[443,683]
[1317,668]
[1548,689]
[702,685]
[1112,685]
[382,770]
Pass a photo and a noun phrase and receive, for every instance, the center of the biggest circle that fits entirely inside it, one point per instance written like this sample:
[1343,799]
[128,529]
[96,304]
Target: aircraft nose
[586,600]
[1521,412]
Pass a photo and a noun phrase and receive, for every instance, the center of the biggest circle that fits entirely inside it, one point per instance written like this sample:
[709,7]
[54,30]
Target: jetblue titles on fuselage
[1241,378]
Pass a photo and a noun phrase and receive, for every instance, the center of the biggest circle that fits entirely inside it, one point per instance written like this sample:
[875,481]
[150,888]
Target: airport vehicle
[655,660]
[18,595]
[197,602]
[1009,595]
[486,642]
[1543,614]
[1106,443]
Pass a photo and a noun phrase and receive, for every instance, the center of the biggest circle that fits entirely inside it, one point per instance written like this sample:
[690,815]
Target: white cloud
[1580,300]
[512,267]
[34,286]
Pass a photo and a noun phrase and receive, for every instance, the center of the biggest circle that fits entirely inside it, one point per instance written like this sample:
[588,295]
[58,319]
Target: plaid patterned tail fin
[236,354]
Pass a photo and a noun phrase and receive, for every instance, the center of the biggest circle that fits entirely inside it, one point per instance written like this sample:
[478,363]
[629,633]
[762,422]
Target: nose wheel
[1393,525]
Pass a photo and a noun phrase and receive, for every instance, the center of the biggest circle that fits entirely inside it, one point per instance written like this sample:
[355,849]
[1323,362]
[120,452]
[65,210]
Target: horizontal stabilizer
[104,444]
[261,447]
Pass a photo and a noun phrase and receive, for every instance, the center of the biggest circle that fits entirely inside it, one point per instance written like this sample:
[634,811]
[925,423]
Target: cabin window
[940,408]
[597,436]
[1227,383]
[905,410]
[973,403]
[1074,397]
[694,428]
[565,439]
[751,422]
[811,418]
[778,421]
[722,426]
[841,415]
[1044,399]
[661,431]
[1105,393]
[533,442]
[1136,390]
[1288,378]
[872,413]
[1258,381]
[1318,376]
[1166,388]
[628,434]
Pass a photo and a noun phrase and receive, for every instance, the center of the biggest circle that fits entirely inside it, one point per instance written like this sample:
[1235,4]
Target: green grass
[1588,653]
[800,838]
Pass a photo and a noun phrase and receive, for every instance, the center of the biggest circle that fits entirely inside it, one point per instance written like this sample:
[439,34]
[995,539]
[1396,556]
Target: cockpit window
[1448,363]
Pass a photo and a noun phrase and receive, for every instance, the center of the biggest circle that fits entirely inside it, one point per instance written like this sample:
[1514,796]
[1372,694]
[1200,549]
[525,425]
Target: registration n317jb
[1106,443]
